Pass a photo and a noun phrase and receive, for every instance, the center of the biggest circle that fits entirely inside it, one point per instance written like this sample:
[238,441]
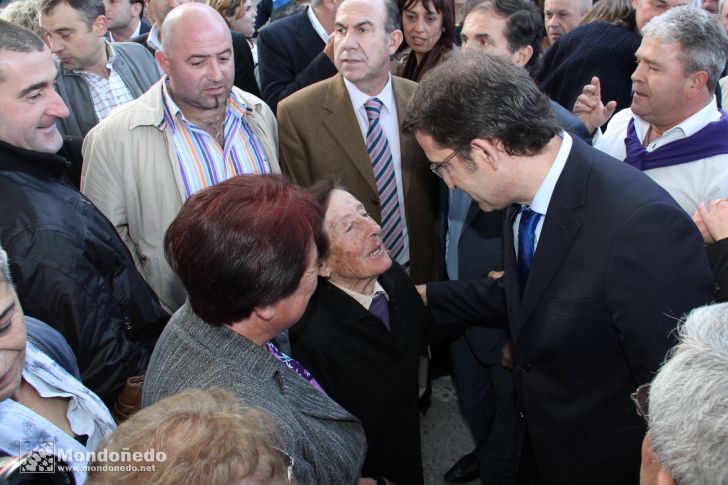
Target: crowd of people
[241,242]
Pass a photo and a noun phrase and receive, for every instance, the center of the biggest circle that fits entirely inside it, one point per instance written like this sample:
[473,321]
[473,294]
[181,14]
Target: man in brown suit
[329,130]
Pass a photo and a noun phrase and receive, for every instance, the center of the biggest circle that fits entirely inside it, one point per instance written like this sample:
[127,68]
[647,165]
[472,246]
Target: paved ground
[444,435]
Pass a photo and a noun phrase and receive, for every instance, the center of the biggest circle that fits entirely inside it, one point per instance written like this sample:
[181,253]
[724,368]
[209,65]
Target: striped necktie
[382,164]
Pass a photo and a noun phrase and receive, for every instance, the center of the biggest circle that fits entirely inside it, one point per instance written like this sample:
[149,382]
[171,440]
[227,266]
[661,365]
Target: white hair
[688,403]
[4,266]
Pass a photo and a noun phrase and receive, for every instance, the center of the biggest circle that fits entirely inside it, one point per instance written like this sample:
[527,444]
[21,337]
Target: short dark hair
[89,9]
[241,244]
[524,27]
[481,96]
[14,38]
[446,8]
[393,20]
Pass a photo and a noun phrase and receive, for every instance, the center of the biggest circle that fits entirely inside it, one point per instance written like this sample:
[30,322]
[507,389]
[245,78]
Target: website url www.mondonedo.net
[107,468]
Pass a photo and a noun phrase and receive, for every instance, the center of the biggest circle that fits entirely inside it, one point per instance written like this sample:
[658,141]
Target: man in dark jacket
[70,268]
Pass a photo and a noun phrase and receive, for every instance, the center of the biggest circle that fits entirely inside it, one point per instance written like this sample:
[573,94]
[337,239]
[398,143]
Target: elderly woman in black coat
[362,334]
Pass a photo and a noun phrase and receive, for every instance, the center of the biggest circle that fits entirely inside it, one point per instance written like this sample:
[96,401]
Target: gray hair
[704,42]
[23,13]
[489,98]
[14,38]
[394,18]
[688,403]
[4,267]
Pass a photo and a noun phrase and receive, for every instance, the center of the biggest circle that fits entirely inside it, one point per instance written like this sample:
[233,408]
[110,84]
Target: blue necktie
[526,242]
[380,308]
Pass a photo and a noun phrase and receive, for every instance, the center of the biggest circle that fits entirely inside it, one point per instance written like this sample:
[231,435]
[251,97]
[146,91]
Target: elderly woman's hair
[446,8]
[615,12]
[23,13]
[4,267]
[226,8]
[688,403]
[241,244]
[321,191]
[204,436]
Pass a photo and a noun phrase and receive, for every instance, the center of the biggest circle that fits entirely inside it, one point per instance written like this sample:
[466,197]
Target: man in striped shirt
[191,130]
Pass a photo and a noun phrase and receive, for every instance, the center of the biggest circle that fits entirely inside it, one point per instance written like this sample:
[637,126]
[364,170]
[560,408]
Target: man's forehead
[561,4]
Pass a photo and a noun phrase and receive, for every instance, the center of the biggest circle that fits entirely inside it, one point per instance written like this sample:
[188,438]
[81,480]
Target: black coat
[72,271]
[290,57]
[617,263]
[370,371]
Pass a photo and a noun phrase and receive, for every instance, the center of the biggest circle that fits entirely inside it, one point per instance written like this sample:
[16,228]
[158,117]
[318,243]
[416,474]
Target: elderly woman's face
[422,29]
[12,341]
[356,252]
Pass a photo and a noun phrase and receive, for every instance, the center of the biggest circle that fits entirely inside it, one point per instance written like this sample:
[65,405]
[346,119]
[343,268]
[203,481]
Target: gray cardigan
[326,442]
[137,69]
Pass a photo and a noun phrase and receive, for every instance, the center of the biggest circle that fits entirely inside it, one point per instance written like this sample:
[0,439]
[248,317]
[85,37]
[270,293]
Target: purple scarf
[709,141]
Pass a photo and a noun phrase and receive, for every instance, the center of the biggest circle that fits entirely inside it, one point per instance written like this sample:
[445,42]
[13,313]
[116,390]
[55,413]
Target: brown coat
[320,138]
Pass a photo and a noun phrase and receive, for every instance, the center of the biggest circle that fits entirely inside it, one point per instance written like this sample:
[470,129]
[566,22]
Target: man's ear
[395,39]
[161,57]
[265,312]
[486,152]
[697,82]
[100,25]
[136,10]
[522,55]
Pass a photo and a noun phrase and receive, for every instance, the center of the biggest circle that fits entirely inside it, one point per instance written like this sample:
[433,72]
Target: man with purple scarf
[673,131]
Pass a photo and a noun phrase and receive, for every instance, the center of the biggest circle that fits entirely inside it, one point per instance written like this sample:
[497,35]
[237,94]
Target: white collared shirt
[688,183]
[317,25]
[542,199]
[390,125]
[362,299]
[107,93]
[133,34]
[153,39]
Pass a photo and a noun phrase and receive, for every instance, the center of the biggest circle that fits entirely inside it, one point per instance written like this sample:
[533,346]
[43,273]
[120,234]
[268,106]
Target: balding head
[183,24]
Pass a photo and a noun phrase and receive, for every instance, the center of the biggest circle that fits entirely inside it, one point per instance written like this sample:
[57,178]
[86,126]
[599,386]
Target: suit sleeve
[277,74]
[670,280]
[244,65]
[479,300]
[294,159]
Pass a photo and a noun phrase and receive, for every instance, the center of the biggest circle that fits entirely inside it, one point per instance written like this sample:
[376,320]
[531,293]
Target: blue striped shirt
[202,161]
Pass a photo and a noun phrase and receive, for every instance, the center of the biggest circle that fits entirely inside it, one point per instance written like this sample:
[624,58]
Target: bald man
[191,130]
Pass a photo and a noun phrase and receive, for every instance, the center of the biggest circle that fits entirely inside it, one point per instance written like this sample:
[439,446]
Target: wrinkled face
[422,29]
[356,250]
[121,13]
[645,10]
[660,83]
[561,16]
[243,20]
[291,308]
[76,45]
[490,189]
[200,66]
[29,106]
[12,341]
[724,17]
[485,32]
[361,45]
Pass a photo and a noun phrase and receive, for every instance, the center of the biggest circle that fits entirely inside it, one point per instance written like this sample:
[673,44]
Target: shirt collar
[688,126]
[133,34]
[153,39]
[359,98]
[542,198]
[317,25]
[363,300]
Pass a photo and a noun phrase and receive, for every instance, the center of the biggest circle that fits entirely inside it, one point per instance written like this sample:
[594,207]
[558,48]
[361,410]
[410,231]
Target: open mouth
[377,251]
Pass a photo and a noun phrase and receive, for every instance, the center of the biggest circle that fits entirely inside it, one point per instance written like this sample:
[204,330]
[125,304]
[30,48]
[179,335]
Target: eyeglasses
[289,462]
[641,399]
[438,168]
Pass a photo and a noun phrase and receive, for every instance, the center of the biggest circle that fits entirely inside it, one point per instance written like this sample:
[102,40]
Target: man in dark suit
[291,51]
[599,264]
[512,29]
[243,57]
[323,131]
[125,19]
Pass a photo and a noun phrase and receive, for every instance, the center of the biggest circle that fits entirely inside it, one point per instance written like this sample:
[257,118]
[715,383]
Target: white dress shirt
[317,25]
[688,183]
[542,199]
[390,125]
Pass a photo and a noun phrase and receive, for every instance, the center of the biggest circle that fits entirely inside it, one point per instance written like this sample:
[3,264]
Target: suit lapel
[560,227]
[407,144]
[512,287]
[344,127]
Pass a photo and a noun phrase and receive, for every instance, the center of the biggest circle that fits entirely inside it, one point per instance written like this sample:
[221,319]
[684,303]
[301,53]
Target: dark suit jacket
[290,56]
[243,57]
[616,264]
[320,138]
[370,371]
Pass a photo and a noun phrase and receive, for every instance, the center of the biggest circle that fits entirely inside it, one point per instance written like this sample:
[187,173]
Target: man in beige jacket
[190,130]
